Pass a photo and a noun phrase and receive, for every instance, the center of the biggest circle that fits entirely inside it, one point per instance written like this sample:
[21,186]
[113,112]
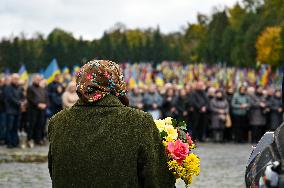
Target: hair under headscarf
[99,78]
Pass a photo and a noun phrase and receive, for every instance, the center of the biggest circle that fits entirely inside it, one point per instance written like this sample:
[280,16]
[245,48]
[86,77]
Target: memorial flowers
[182,162]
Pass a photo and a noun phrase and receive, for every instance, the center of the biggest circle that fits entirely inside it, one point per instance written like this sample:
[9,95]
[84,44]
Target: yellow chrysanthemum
[160,124]
[181,172]
[168,121]
[188,179]
[192,146]
[172,133]
[173,165]
[192,164]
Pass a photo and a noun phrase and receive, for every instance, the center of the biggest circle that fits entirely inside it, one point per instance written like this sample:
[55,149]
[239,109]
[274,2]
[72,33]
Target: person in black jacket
[228,132]
[276,111]
[201,107]
[182,105]
[2,112]
[13,97]
[37,104]
[168,108]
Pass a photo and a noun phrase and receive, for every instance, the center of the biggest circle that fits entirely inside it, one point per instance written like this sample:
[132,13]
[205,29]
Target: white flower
[180,183]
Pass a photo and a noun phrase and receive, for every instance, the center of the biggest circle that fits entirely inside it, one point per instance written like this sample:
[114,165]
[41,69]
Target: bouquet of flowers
[178,144]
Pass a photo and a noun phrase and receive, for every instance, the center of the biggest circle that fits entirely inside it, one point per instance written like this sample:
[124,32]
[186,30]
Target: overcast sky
[89,18]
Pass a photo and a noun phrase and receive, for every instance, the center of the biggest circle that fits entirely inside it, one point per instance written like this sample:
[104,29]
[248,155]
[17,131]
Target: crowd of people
[241,114]
[213,112]
[24,110]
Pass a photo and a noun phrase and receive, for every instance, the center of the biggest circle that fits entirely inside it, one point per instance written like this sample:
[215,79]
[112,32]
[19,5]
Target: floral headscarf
[99,78]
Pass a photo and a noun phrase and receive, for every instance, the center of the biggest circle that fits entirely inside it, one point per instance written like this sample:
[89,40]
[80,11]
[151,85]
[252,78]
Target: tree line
[246,34]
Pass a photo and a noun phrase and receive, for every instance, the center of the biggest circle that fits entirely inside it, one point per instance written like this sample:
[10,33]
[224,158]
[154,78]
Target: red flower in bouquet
[178,150]
[189,140]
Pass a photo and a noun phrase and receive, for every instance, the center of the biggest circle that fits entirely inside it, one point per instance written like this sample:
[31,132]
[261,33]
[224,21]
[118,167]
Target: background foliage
[241,35]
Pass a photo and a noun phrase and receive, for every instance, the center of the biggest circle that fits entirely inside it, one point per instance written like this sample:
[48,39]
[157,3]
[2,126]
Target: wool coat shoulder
[106,145]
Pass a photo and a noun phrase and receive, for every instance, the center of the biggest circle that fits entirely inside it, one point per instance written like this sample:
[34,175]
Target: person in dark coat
[257,114]
[55,91]
[13,97]
[169,104]
[100,142]
[219,107]
[2,112]
[37,103]
[182,104]
[228,132]
[276,110]
[190,111]
[201,107]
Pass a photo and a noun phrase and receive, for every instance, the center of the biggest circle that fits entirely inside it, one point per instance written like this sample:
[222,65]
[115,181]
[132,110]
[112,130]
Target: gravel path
[222,166]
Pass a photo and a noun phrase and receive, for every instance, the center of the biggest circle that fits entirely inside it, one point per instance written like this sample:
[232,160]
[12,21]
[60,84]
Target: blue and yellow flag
[51,71]
[132,83]
[23,73]
[265,74]
[159,81]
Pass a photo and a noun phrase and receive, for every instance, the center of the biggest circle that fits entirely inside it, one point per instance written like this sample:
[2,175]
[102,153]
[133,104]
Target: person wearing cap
[100,141]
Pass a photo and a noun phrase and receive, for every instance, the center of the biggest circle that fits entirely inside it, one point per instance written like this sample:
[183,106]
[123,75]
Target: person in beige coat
[69,97]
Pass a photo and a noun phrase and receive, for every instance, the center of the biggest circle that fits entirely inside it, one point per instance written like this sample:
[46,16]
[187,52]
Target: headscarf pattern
[99,78]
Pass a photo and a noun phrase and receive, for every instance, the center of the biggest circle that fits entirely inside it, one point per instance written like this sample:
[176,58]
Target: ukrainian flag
[132,83]
[23,73]
[159,80]
[51,71]
[264,80]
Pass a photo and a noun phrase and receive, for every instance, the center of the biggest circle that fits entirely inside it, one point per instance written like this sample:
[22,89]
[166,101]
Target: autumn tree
[269,46]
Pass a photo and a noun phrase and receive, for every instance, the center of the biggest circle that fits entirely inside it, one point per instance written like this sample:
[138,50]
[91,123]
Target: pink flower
[89,76]
[97,96]
[178,150]
[107,75]
[189,140]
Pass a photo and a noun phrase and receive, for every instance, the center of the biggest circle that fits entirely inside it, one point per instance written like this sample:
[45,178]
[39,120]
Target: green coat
[106,145]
